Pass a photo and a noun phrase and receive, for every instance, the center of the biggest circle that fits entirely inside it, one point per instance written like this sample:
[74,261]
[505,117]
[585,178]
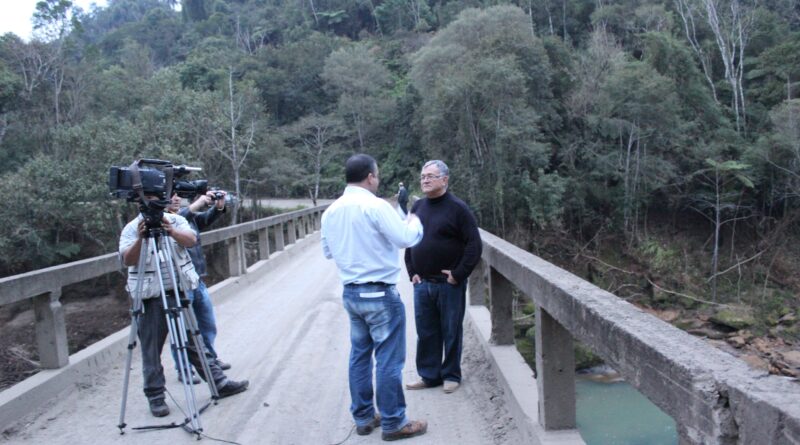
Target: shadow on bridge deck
[282,326]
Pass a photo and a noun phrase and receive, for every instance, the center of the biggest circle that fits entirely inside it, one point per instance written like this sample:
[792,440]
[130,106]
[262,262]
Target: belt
[435,279]
[370,283]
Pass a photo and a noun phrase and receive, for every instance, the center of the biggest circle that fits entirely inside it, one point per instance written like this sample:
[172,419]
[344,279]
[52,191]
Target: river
[614,413]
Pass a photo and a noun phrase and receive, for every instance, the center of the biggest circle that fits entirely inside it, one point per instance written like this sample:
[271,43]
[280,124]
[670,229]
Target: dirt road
[288,335]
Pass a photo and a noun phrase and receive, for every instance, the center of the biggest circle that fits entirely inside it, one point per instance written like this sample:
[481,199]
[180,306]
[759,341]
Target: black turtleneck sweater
[450,239]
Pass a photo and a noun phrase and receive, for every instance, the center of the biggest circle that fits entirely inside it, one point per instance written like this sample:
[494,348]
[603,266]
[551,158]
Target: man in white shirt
[363,234]
[152,323]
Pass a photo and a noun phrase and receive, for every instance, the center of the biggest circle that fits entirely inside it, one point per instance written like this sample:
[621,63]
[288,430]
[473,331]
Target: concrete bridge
[282,326]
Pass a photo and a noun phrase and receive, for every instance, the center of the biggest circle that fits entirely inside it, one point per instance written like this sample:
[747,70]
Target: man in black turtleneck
[439,266]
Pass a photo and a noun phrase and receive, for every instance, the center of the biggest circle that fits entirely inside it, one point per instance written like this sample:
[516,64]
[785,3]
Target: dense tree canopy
[569,117]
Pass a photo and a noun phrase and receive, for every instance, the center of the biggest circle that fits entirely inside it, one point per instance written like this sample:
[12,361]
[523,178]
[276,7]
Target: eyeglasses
[430,177]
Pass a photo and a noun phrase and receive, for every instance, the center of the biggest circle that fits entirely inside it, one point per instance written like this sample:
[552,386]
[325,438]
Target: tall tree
[361,82]
[729,22]
[235,138]
[316,138]
[722,183]
[51,24]
[484,82]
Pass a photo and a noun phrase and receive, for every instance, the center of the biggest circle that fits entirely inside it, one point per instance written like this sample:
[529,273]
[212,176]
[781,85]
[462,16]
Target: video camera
[155,178]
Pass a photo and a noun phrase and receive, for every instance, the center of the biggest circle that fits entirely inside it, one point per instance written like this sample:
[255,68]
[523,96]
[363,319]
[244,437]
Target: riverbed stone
[737,341]
[755,361]
[792,358]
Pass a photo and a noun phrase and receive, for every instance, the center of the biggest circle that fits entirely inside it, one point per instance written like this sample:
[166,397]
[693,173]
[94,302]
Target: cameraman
[201,301]
[152,323]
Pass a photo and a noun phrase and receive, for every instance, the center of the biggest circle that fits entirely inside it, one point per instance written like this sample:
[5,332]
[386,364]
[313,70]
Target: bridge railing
[44,286]
[714,397]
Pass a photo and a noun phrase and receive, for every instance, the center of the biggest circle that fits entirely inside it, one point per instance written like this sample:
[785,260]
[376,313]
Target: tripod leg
[177,331]
[178,342]
[200,347]
[136,311]
[128,359]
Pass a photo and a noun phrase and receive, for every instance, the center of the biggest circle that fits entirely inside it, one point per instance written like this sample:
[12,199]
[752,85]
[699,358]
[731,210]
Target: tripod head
[153,212]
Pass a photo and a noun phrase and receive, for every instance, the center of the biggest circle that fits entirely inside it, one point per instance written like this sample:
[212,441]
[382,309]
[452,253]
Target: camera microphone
[185,169]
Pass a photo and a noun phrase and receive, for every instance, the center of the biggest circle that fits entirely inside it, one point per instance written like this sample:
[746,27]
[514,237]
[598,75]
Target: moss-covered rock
[529,308]
[734,318]
[585,358]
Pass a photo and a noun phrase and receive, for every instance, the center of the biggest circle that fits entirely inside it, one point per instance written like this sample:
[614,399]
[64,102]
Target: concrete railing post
[280,244]
[500,302]
[302,227]
[291,231]
[263,244]
[555,373]
[317,221]
[236,261]
[477,285]
[51,330]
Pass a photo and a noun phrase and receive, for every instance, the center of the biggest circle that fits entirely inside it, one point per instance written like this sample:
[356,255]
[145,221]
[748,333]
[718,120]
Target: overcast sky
[15,15]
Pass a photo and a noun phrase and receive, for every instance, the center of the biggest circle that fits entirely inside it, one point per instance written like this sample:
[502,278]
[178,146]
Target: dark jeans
[153,333]
[439,315]
[403,207]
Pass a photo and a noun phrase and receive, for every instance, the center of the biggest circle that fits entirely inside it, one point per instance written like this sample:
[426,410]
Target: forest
[650,146]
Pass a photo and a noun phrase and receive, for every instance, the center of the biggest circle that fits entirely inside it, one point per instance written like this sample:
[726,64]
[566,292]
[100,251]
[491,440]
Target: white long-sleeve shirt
[363,234]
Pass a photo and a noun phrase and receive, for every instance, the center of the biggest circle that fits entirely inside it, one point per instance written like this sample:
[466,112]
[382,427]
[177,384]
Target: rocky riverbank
[772,347]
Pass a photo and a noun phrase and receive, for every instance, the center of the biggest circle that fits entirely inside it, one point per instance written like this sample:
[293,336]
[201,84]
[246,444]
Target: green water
[616,414]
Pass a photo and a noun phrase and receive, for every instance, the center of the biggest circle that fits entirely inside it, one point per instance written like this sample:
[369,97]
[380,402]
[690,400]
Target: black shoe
[159,408]
[368,428]
[222,365]
[195,379]
[232,387]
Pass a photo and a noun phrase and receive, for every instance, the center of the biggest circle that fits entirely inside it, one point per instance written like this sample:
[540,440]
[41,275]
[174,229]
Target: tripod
[179,315]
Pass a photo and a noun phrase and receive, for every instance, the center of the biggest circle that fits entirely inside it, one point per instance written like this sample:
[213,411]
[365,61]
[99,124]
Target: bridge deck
[288,334]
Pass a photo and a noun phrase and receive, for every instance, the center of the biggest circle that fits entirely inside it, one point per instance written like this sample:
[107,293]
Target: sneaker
[222,365]
[368,428]
[159,408]
[419,384]
[412,428]
[232,387]
[450,386]
[195,379]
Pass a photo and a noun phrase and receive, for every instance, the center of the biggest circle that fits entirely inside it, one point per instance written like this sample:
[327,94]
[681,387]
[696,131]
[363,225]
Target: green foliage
[544,198]
[574,116]
[10,85]
[661,257]
[672,59]
[776,72]
[360,81]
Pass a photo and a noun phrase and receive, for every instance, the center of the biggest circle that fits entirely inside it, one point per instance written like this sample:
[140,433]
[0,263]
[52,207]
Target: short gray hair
[443,170]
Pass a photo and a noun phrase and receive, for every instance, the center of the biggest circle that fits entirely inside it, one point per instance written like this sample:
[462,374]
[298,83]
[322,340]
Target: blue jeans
[439,315]
[377,323]
[206,322]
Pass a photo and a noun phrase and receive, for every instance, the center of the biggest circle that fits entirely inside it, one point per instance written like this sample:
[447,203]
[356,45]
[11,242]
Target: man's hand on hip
[450,278]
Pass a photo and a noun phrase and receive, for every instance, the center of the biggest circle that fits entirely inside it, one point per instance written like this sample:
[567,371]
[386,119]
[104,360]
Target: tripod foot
[121,428]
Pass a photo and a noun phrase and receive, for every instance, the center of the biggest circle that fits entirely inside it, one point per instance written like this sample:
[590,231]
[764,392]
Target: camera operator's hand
[141,229]
[131,256]
[185,238]
[207,200]
[220,195]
